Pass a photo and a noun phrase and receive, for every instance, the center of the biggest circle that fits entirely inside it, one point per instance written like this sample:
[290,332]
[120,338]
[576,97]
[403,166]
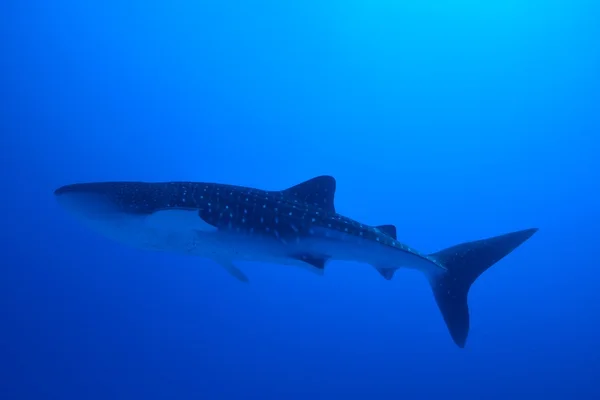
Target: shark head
[93,201]
[131,212]
[105,207]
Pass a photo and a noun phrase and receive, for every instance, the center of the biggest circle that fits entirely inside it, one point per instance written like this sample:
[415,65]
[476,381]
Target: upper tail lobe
[464,263]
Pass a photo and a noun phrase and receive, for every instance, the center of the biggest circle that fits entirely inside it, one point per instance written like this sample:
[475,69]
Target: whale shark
[297,226]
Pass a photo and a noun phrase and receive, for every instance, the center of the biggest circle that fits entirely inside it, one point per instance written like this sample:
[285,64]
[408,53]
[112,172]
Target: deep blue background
[454,120]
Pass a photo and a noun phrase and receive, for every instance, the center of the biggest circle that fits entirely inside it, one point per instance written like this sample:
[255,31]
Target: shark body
[296,226]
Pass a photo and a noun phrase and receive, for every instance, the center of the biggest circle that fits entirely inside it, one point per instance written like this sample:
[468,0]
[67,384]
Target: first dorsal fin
[318,191]
[389,230]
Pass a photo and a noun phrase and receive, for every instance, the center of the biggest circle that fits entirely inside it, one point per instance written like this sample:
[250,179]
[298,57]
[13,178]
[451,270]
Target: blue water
[454,120]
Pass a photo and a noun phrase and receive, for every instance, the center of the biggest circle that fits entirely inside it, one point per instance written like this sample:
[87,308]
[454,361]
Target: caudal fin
[464,263]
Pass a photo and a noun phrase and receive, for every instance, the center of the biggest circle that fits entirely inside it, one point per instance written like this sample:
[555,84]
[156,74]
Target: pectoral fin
[233,270]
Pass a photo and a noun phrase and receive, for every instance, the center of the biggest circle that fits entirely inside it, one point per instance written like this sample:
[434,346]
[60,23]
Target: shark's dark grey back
[221,205]
[285,214]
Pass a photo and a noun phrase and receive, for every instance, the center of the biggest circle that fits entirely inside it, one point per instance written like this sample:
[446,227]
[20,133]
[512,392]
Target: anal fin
[316,261]
[387,273]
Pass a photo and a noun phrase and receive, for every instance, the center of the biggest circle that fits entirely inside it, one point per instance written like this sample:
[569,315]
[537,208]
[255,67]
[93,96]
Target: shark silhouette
[296,226]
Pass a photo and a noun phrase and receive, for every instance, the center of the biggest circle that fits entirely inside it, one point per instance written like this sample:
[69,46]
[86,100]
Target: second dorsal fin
[389,230]
[319,191]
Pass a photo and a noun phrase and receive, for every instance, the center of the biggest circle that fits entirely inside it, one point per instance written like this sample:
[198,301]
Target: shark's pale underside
[297,226]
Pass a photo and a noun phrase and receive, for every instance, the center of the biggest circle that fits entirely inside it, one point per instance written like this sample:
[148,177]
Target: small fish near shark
[296,226]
